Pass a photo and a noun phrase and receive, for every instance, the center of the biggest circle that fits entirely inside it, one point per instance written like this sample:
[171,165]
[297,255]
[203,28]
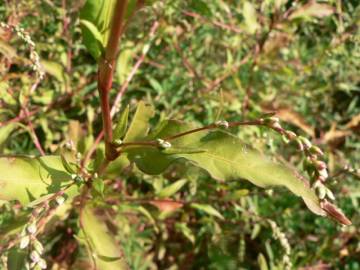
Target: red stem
[105,74]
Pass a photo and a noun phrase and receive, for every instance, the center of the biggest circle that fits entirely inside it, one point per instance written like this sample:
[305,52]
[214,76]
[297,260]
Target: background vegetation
[198,61]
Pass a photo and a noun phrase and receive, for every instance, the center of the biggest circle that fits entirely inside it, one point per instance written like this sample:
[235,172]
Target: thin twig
[133,71]
[221,25]
[33,133]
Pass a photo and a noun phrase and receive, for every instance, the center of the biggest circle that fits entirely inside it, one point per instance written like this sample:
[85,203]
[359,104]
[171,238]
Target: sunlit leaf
[5,132]
[139,126]
[207,209]
[98,186]
[171,189]
[186,231]
[92,38]
[97,14]
[121,126]
[54,69]
[225,157]
[249,14]
[16,259]
[26,178]
[107,253]
[262,262]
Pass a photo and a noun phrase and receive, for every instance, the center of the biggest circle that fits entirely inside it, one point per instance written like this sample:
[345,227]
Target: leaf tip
[335,212]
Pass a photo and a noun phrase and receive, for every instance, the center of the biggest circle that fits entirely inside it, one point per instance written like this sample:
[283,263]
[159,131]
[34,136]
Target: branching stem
[154,143]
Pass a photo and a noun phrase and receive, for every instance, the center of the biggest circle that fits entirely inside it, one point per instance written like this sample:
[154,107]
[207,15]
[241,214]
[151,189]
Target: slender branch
[32,131]
[134,69]
[105,74]
[154,143]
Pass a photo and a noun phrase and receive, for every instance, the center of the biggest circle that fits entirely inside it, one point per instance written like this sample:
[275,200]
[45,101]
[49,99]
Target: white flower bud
[320,165]
[222,123]
[273,119]
[42,264]
[38,246]
[276,126]
[163,144]
[316,150]
[300,145]
[31,228]
[323,173]
[330,195]
[290,135]
[69,145]
[34,256]
[306,143]
[118,142]
[321,178]
[60,200]
[320,190]
[24,242]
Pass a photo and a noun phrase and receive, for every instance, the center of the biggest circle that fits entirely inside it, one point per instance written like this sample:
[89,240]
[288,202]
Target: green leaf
[16,259]
[237,194]
[92,38]
[101,243]
[98,186]
[67,165]
[109,259]
[153,161]
[262,262]
[140,124]
[26,178]
[116,166]
[55,69]
[121,126]
[123,63]
[225,157]
[186,231]
[171,189]
[250,15]
[201,7]
[5,132]
[97,15]
[207,209]
[155,85]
